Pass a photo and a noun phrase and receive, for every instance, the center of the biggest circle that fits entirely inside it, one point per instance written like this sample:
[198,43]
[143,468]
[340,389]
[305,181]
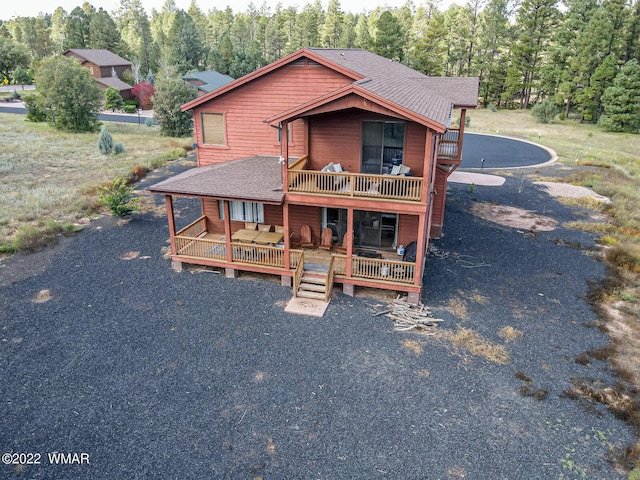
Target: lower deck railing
[376,269]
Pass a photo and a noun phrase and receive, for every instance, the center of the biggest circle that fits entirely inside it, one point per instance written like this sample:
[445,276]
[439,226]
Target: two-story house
[341,156]
[106,68]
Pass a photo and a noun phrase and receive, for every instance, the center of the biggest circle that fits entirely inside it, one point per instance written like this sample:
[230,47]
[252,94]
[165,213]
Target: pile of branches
[408,317]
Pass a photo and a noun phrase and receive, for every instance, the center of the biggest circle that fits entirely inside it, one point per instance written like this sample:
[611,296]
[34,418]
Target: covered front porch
[376,268]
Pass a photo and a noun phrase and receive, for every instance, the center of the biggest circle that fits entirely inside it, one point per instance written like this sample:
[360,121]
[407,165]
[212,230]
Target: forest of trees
[523,51]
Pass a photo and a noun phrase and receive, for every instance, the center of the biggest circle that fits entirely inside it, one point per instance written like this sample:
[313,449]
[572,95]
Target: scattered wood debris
[408,317]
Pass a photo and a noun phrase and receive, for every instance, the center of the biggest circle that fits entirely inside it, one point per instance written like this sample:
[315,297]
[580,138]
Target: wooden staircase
[313,281]
[313,285]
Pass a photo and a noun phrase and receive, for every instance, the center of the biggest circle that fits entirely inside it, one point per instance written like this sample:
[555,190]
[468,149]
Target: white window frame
[243,211]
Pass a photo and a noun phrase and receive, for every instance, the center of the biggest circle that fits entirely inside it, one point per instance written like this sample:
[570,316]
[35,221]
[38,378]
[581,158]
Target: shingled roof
[100,57]
[250,179]
[211,79]
[430,97]
[114,82]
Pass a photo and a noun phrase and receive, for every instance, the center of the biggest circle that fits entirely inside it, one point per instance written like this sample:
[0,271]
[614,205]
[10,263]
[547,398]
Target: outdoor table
[268,238]
[245,235]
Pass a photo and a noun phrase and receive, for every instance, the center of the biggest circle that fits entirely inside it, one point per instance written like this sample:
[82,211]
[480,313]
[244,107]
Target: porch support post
[428,163]
[421,249]
[284,142]
[287,237]
[227,230]
[349,240]
[463,119]
[172,222]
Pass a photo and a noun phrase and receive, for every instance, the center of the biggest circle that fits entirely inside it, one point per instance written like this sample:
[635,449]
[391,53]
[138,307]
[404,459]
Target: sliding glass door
[382,145]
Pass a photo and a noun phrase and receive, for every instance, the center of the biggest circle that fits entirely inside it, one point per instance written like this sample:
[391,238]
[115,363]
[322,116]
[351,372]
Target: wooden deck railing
[355,185]
[298,273]
[240,252]
[375,269]
[194,229]
[448,147]
[340,264]
[329,285]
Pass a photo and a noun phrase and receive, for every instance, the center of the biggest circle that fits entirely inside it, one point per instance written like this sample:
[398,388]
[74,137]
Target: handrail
[194,229]
[329,284]
[298,273]
[240,252]
[340,264]
[383,269]
[355,185]
[299,164]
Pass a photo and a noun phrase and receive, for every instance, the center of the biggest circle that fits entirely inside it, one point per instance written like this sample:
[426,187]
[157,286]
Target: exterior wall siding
[246,108]
[336,138]
[300,215]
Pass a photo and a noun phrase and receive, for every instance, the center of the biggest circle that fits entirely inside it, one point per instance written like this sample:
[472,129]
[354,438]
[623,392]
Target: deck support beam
[172,222]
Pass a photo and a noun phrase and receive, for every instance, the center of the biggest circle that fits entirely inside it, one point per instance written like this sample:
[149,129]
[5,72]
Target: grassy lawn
[50,179]
[609,163]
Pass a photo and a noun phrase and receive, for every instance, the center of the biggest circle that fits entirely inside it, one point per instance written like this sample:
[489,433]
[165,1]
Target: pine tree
[621,101]
[388,40]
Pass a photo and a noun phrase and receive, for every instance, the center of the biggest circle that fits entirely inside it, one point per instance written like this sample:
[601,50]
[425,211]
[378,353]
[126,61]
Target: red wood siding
[300,215]
[336,138]
[439,198]
[247,107]
[407,229]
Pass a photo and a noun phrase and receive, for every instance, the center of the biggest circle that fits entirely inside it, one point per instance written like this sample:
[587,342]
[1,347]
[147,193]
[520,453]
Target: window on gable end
[212,128]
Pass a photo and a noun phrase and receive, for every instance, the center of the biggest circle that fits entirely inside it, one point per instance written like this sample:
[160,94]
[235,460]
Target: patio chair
[342,248]
[326,239]
[250,225]
[264,228]
[279,229]
[305,236]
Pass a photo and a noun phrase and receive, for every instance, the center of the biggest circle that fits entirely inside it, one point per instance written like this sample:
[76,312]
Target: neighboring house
[105,67]
[368,150]
[207,81]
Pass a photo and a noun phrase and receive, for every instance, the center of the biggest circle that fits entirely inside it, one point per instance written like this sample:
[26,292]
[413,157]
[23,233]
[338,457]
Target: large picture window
[212,128]
[243,211]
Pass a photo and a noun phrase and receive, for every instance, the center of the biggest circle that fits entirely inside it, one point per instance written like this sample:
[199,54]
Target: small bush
[35,111]
[119,198]
[148,122]
[492,107]
[112,99]
[129,108]
[545,111]
[105,142]
[118,148]
[15,95]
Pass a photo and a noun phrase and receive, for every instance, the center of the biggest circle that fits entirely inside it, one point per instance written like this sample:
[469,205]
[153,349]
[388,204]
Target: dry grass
[50,175]
[509,333]
[608,163]
[464,341]
[458,307]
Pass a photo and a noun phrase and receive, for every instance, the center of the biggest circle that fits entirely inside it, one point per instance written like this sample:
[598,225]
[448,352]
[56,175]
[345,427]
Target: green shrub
[118,148]
[35,111]
[31,238]
[15,95]
[545,111]
[105,141]
[148,122]
[492,107]
[130,108]
[112,99]
[119,198]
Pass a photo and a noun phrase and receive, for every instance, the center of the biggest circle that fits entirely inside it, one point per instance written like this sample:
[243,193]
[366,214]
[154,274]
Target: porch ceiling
[252,179]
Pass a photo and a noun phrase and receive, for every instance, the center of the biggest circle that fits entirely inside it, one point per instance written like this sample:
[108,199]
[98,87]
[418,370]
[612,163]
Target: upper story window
[213,128]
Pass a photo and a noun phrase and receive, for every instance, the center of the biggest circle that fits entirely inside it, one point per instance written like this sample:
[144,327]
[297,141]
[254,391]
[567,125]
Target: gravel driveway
[158,374]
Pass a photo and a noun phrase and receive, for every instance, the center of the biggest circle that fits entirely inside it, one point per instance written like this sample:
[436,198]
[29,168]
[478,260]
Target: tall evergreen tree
[332,28]
[185,43]
[389,39]
[535,20]
[621,101]
[103,33]
[135,30]
[77,29]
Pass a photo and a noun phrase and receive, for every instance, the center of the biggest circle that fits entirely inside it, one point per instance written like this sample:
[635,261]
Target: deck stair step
[314,279]
[312,287]
[309,294]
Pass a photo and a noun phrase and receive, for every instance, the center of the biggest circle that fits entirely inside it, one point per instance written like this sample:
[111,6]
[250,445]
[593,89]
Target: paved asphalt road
[158,374]
[104,117]
[500,152]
